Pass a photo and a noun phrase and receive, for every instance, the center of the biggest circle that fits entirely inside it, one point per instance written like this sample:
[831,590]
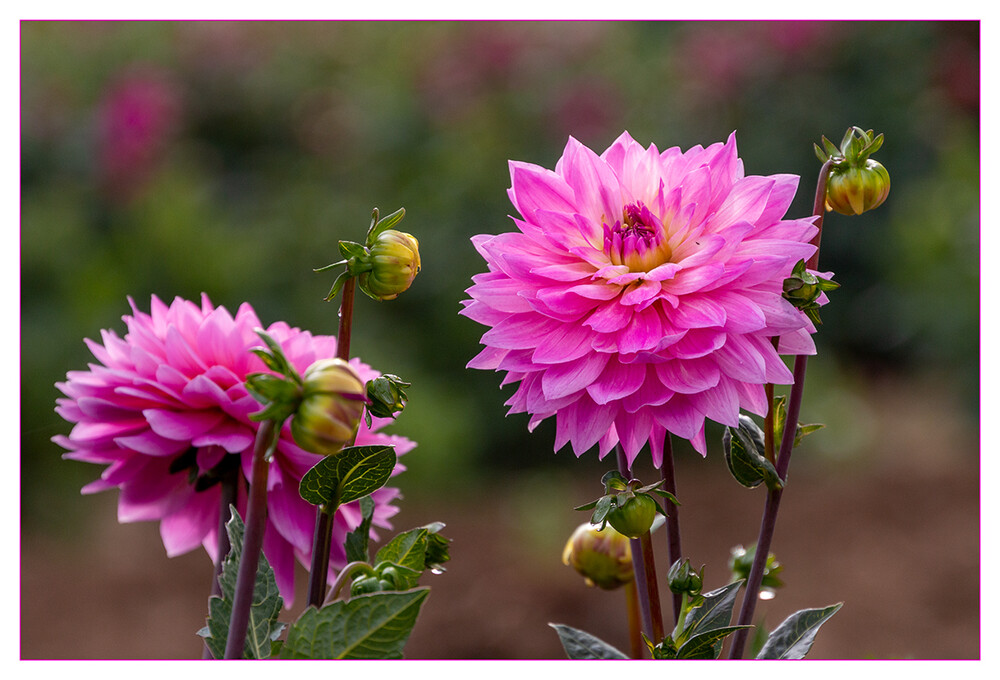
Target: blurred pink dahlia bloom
[167,412]
[640,293]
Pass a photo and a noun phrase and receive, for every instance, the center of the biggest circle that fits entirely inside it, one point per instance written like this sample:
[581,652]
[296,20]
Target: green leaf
[714,613]
[745,456]
[374,626]
[707,645]
[349,475]
[794,637]
[581,645]
[264,627]
[356,542]
[407,549]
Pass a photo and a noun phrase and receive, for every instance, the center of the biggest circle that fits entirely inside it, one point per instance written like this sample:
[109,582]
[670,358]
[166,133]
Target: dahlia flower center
[637,240]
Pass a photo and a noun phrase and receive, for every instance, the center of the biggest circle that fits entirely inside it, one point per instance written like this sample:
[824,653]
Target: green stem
[323,531]
[253,540]
[346,574]
[673,521]
[770,516]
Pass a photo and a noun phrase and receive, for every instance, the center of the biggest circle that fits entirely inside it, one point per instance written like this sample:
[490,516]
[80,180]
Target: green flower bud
[601,556]
[683,579]
[386,396]
[741,561]
[365,584]
[395,261]
[333,398]
[857,183]
[634,517]
[853,190]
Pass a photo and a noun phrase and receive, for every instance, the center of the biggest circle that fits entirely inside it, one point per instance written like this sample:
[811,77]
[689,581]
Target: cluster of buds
[601,556]
[385,265]
[857,183]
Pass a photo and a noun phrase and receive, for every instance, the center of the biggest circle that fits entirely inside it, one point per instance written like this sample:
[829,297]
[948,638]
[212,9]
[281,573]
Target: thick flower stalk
[166,410]
[640,293]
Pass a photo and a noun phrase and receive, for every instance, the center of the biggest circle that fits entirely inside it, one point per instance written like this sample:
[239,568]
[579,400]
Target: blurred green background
[229,158]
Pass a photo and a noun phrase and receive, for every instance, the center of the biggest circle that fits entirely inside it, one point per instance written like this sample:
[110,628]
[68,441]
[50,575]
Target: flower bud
[856,182]
[634,516]
[395,262]
[601,556]
[851,190]
[333,398]
[683,579]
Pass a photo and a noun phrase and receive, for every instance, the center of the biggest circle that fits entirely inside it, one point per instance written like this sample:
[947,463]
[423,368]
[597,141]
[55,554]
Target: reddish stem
[322,533]
[770,516]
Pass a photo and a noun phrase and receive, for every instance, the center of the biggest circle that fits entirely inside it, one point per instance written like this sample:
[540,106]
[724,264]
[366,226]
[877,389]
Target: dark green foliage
[264,627]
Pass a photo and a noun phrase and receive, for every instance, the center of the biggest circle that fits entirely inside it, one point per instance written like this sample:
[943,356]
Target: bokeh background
[229,158]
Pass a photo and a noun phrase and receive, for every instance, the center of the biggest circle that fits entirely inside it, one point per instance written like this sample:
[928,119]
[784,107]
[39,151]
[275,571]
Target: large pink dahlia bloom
[167,411]
[641,292]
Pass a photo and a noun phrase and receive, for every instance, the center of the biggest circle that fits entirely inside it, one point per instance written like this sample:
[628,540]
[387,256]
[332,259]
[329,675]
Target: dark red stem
[323,530]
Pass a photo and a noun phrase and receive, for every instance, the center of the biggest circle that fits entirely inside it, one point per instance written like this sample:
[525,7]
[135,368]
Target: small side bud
[386,396]
[741,561]
[601,556]
[683,579]
[333,398]
[395,261]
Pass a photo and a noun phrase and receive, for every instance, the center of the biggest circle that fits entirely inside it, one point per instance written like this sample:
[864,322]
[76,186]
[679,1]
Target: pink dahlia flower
[167,411]
[641,292]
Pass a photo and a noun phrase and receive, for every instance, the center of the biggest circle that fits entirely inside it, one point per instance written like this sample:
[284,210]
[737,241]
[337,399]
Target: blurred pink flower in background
[138,116]
[641,293]
[166,410]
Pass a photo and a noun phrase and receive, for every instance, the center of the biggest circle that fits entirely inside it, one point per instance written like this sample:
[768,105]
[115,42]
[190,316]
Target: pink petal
[534,188]
[185,529]
[181,425]
[562,380]
[616,381]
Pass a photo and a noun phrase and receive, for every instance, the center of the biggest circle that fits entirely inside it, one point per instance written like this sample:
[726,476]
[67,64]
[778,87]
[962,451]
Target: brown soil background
[896,538]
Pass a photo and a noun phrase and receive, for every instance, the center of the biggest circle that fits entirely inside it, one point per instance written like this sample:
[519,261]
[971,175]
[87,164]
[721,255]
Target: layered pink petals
[167,404]
[641,293]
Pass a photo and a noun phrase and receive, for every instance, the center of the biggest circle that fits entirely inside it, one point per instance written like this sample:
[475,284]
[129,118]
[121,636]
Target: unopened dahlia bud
[601,556]
[683,579]
[857,183]
[395,262]
[333,398]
